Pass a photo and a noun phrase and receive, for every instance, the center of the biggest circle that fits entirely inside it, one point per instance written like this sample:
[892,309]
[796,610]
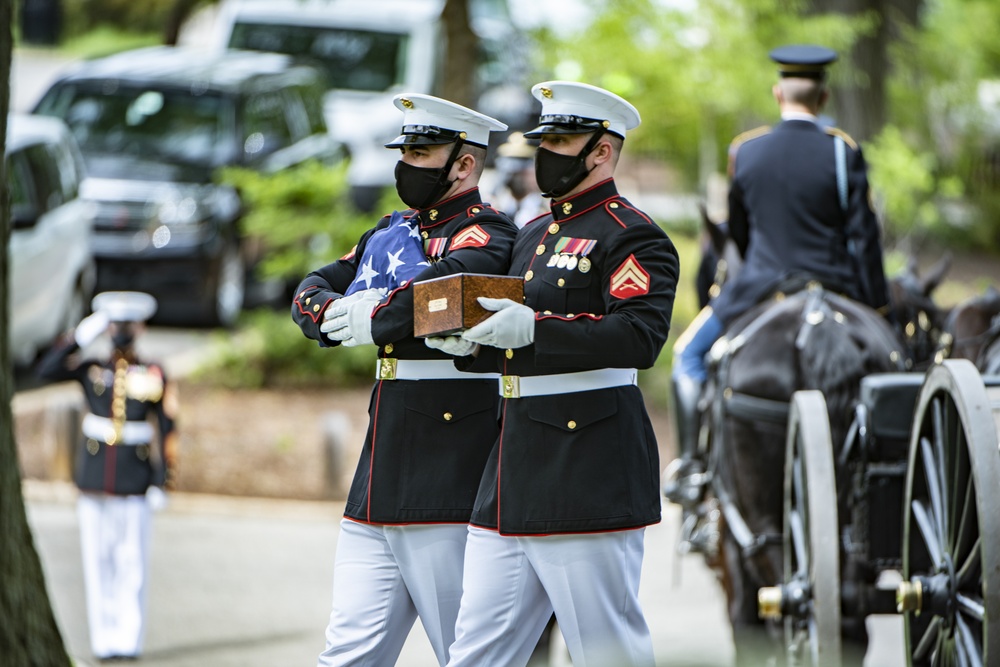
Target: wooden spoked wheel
[811,590]
[951,522]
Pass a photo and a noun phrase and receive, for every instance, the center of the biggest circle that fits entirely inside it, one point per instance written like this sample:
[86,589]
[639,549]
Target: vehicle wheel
[951,522]
[226,302]
[811,590]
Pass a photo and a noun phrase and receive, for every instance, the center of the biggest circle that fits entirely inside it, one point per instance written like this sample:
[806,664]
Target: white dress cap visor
[431,120]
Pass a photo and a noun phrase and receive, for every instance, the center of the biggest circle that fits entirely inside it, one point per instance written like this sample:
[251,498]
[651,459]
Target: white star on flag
[391,256]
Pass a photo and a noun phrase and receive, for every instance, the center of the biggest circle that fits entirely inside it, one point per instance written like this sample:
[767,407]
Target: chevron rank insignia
[471,237]
[629,280]
[350,255]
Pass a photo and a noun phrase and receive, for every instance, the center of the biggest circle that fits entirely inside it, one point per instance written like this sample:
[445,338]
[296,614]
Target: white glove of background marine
[90,328]
[349,318]
[512,325]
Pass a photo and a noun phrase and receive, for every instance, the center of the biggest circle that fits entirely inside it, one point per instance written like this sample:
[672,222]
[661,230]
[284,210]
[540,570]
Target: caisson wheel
[951,522]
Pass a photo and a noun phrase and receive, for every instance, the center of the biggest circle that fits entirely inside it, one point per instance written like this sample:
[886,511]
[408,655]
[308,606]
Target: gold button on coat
[447,416]
[561,282]
[554,228]
[571,424]
[613,204]
[540,250]
[316,308]
[529,275]
[509,353]
[388,348]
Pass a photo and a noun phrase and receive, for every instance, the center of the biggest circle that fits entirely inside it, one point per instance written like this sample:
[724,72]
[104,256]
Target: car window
[67,169]
[22,195]
[45,175]
[352,59]
[156,125]
[265,125]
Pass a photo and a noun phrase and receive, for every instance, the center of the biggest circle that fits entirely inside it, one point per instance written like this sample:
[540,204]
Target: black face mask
[419,187]
[558,174]
[122,339]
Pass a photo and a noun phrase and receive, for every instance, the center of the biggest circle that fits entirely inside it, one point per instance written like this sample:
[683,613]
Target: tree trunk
[859,99]
[459,67]
[29,635]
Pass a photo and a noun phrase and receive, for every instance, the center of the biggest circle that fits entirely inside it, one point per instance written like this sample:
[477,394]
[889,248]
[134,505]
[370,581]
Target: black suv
[153,125]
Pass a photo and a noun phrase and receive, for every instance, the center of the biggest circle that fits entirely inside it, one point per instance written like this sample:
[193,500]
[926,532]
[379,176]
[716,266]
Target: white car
[375,49]
[51,278]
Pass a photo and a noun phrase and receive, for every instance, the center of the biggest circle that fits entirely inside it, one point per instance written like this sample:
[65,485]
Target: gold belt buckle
[386,369]
[510,386]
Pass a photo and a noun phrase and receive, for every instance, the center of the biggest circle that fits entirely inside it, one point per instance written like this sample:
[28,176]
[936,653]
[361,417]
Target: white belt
[515,386]
[103,429]
[388,368]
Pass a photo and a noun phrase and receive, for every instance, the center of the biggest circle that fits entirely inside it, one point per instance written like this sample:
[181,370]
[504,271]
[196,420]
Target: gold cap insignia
[406,103]
[547,92]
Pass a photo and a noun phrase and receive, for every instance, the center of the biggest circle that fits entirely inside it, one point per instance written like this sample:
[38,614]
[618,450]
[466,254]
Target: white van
[375,49]
[51,266]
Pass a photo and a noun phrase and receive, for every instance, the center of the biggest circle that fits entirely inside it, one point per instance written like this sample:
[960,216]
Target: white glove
[512,326]
[349,319]
[90,328]
[156,497]
[453,345]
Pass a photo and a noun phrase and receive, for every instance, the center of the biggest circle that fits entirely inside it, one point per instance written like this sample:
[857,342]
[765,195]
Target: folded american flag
[392,256]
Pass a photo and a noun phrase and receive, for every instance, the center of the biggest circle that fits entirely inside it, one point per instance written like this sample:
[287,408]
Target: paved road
[246,582]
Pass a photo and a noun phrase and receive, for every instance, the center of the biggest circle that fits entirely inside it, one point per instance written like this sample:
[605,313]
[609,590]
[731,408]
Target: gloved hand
[349,319]
[156,497]
[512,326]
[92,326]
[453,345]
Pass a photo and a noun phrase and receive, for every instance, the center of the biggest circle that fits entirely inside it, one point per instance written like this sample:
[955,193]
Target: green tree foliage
[698,72]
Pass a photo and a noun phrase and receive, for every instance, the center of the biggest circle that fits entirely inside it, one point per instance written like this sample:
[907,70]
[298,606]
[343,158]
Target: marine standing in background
[402,540]
[799,209]
[120,474]
[573,479]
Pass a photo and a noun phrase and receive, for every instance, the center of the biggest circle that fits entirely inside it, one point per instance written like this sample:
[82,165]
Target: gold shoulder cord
[118,400]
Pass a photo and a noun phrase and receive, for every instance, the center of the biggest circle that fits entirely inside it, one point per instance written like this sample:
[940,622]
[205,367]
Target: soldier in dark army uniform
[574,476]
[121,479]
[799,209]
[402,542]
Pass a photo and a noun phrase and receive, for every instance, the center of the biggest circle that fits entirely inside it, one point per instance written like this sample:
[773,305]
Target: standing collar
[584,201]
[799,115]
[447,209]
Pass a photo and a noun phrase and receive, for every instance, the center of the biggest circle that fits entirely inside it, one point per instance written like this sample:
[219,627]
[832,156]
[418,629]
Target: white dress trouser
[512,585]
[383,577]
[114,541]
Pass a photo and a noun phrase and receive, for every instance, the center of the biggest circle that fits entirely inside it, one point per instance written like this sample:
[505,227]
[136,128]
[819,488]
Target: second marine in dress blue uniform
[572,481]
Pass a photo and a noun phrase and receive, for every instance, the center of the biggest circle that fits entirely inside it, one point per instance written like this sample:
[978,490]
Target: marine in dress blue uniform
[799,209]
[120,474]
[572,481]
[401,548]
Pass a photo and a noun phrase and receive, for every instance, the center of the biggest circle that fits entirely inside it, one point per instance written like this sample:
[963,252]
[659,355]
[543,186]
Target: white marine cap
[125,306]
[569,107]
[429,121]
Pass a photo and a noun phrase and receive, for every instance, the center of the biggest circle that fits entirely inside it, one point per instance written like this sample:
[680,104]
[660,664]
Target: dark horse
[804,337]
[973,329]
[810,339]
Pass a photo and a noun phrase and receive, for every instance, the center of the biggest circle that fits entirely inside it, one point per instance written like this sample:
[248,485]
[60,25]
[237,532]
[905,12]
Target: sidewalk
[246,582]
